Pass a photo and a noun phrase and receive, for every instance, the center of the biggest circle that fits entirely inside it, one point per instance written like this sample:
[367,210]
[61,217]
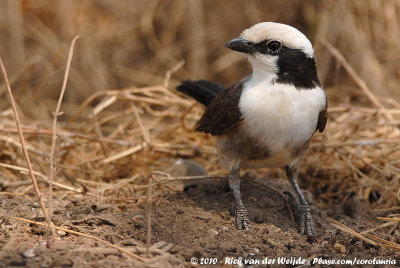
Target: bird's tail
[203,91]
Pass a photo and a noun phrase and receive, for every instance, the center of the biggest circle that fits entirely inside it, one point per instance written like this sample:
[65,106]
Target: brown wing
[322,118]
[223,113]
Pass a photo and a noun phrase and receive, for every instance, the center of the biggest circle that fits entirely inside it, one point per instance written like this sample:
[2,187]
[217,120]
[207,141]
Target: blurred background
[134,43]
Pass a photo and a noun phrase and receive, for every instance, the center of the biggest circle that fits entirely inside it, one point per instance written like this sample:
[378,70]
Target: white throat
[265,68]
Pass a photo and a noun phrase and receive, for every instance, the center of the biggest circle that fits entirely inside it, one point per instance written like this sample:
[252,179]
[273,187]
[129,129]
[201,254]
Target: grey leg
[301,208]
[242,218]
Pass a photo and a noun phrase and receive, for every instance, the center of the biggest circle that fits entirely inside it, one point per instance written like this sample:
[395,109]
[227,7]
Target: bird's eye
[274,46]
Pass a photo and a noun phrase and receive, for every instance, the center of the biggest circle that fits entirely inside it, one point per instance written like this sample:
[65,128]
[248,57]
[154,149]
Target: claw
[302,215]
[242,218]
[241,215]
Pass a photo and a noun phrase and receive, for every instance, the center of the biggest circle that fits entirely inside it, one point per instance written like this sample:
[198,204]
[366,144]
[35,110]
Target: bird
[268,118]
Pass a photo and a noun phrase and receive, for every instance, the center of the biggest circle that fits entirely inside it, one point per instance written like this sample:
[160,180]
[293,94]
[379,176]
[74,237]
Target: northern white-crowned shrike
[268,118]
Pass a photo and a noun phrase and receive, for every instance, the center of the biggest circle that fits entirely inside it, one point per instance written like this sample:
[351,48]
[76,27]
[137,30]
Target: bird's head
[280,51]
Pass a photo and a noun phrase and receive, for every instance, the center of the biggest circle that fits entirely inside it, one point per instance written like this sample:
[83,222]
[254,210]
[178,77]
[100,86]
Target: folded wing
[222,105]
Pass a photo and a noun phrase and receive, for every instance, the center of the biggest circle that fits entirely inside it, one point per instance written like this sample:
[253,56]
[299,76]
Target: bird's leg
[242,218]
[301,208]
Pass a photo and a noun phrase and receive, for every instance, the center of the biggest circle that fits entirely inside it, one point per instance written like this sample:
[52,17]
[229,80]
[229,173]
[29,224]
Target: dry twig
[350,231]
[21,136]
[55,116]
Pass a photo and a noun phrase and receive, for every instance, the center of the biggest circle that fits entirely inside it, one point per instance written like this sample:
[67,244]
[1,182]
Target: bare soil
[195,222]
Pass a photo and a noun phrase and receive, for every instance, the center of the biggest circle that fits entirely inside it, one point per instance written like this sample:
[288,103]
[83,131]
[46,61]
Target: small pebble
[339,248]
[138,218]
[61,233]
[290,246]
[212,232]
[30,253]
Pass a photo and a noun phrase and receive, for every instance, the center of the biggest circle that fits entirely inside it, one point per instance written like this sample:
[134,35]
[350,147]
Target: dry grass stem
[360,82]
[42,177]
[383,242]
[18,145]
[350,231]
[388,219]
[125,153]
[54,136]
[378,227]
[22,140]
[366,237]
[148,212]
[387,209]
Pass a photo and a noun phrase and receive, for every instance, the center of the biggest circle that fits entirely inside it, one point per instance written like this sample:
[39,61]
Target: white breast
[279,115]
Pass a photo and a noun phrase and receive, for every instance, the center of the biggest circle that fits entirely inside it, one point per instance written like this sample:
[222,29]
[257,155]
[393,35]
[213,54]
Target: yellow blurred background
[134,43]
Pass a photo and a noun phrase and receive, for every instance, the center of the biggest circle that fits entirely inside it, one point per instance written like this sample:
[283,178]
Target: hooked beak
[240,44]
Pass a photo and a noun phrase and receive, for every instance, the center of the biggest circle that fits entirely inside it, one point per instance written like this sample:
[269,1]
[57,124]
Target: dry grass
[109,140]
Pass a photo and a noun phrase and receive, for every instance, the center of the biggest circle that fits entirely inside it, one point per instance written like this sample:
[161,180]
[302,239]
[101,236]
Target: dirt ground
[193,223]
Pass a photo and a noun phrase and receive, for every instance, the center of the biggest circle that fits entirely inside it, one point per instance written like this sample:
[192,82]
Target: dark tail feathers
[203,91]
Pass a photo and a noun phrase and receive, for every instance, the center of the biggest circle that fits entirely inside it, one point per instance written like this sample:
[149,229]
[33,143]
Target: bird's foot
[242,218]
[302,216]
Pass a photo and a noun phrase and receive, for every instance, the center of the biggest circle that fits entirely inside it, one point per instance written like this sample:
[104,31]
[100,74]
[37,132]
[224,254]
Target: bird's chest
[279,116]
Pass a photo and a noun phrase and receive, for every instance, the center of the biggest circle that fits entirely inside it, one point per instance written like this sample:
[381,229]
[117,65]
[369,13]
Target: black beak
[240,44]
